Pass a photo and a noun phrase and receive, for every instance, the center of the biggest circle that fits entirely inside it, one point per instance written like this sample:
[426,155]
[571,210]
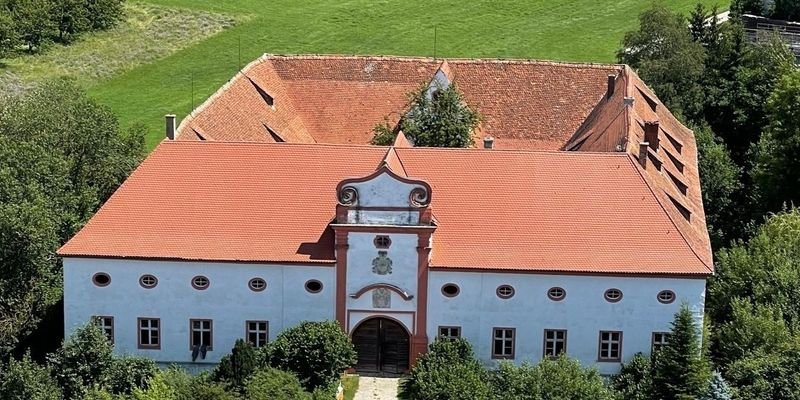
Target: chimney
[627,101]
[643,153]
[170,126]
[488,142]
[651,134]
[610,91]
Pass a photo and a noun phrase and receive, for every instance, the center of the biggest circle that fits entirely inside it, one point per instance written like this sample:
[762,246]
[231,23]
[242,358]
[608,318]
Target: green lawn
[574,30]
[350,385]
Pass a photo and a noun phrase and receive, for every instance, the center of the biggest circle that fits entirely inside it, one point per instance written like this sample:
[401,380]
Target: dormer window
[264,95]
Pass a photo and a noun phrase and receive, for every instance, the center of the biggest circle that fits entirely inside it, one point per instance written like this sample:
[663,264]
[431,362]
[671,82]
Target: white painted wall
[384,191]
[360,253]
[228,301]
[583,313]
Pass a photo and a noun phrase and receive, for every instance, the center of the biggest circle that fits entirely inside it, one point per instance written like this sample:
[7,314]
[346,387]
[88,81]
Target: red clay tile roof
[536,211]
[333,99]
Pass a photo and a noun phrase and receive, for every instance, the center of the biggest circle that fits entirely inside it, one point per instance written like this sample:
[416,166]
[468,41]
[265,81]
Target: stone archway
[382,344]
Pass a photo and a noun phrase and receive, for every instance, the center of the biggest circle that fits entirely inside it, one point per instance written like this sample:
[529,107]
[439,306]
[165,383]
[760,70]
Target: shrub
[104,14]
[188,387]
[448,370]
[157,389]
[26,380]
[128,373]
[317,352]
[274,384]
[82,362]
[235,368]
[562,378]
[634,381]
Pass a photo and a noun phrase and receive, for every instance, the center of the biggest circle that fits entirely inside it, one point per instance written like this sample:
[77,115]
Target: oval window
[101,279]
[200,282]
[556,293]
[613,295]
[313,286]
[450,290]
[148,281]
[382,241]
[257,284]
[666,296]
[505,291]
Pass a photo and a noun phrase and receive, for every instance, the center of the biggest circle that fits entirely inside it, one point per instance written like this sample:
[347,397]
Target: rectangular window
[659,340]
[555,342]
[257,332]
[149,333]
[201,333]
[610,346]
[106,323]
[503,343]
[449,332]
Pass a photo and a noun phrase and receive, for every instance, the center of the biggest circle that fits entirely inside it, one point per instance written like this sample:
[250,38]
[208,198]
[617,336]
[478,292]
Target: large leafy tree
[71,18]
[61,156]
[34,22]
[26,380]
[665,55]
[719,180]
[83,361]
[680,370]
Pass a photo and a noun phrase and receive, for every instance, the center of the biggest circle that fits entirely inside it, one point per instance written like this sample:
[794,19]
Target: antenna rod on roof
[192,79]
[240,53]
[434,42]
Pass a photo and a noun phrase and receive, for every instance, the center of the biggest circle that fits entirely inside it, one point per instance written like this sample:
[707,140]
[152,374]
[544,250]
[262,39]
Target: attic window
[687,214]
[199,135]
[650,101]
[682,187]
[264,95]
[677,144]
[275,136]
[675,161]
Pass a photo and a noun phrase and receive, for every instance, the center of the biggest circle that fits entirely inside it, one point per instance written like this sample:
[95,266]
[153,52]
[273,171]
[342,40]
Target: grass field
[350,385]
[574,30]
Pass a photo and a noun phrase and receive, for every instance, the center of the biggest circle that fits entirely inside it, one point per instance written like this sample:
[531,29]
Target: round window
[450,290]
[257,284]
[101,279]
[666,296]
[382,241]
[556,294]
[313,286]
[148,281]
[505,291]
[200,282]
[613,295]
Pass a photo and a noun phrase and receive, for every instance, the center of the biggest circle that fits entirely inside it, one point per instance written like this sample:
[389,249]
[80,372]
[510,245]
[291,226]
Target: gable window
[659,341]
[257,333]
[556,294]
[148,281]
[666,296]
[613,295]
[101,279]
[382,241]
[200,282]
[201,333]
[106,323]
[257,284]
[503,343]
[149,333]
[505,291]
[449,332]
[555,342]
[610,346]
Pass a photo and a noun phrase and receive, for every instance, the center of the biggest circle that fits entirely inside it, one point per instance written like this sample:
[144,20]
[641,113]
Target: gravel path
[372,388]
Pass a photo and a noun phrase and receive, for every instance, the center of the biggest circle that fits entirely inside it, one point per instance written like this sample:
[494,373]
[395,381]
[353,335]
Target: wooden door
[382,346]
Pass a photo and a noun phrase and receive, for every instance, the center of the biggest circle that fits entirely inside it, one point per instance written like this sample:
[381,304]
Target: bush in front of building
[129,373]
[26,380]
[317,352]
[274,384]
[449,370]
[634,381]
[237,367]
[559,378]
[82,362]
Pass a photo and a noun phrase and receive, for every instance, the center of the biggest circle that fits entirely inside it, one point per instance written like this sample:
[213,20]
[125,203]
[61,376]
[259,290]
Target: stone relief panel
[381,298]
[382,264]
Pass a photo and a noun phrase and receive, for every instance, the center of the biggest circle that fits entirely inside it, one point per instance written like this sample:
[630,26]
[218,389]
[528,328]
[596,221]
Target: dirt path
[372,388]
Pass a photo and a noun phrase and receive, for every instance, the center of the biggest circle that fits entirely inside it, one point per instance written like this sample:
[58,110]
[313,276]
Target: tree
[236,368]
[760,375]
[157,389]
[634,381]
[82,362]
[9,39]
[435,118]
[33,21]
[752,327]
[129,373]
[61,157]
[317,352]
[777,169]
[26,380]
[718,389]
[565,378]
[666,57]
[274,384]
[70,18]
[104,14]
[719,181]
[449,370]
[680,370]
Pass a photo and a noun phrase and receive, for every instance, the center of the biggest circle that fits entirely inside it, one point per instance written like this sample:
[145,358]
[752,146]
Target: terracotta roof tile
[495,209]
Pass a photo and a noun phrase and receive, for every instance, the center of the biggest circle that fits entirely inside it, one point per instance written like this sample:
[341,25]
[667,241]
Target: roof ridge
[671,220]
[438,60]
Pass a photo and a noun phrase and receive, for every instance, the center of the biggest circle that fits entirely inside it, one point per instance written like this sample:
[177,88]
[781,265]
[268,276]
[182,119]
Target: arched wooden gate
[382,345]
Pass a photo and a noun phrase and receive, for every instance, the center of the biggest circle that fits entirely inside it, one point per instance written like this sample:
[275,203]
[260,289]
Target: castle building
[577,227]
